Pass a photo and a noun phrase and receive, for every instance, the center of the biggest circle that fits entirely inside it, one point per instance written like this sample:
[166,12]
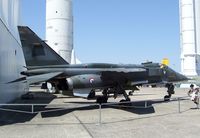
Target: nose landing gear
[170,90]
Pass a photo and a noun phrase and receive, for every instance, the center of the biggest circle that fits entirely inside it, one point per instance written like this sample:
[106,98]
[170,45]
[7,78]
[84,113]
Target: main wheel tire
[128,99]
[123,100]
[102,99]
[166,98]
[125,104]
[130,93]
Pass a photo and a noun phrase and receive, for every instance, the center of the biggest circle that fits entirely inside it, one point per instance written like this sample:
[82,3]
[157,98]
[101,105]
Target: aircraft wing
[38,78]
[43,77]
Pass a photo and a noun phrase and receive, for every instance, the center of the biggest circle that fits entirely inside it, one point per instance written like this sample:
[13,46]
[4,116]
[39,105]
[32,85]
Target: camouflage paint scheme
[45,65]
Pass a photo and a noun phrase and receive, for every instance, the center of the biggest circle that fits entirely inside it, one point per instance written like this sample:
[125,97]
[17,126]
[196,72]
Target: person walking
[194,94]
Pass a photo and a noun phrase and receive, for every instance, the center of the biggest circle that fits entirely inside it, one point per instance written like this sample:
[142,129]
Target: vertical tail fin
[36,51]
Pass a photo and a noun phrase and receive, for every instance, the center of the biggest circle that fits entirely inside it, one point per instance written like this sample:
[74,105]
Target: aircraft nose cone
[181,77]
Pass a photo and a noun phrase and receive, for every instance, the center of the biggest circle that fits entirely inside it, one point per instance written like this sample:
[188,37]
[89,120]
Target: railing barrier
[64,106]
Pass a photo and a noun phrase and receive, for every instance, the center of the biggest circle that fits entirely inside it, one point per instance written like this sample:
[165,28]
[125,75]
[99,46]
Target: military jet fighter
[45,65]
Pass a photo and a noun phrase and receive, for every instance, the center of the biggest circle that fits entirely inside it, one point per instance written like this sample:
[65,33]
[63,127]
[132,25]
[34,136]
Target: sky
[118,31]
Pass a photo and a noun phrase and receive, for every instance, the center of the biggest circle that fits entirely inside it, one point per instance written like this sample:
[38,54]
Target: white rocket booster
[190,36]
[59,27]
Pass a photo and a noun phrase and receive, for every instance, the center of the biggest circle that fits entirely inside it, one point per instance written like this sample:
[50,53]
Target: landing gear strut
[116,90]
[91,94]
[170,90]
[131,93]
[125,96]
[133,89]
[122,91]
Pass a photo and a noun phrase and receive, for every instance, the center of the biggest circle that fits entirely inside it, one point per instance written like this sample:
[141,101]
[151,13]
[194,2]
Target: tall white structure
[190,36]
[11,55]
[59,27]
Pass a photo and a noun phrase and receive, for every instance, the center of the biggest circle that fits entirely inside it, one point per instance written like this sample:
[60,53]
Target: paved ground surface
[160,119]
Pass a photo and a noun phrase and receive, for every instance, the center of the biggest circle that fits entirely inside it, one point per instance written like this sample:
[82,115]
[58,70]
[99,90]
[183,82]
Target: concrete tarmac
[81,118]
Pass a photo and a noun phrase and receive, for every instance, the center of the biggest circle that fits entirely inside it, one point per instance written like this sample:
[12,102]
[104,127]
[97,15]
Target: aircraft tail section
[36,51]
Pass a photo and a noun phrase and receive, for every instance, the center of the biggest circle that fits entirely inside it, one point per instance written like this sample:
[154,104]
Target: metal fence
[33,108]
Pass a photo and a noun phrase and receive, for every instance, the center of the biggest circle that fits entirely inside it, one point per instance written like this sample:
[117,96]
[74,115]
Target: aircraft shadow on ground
[128,109]
[11,117]
[135,107]
[138,107]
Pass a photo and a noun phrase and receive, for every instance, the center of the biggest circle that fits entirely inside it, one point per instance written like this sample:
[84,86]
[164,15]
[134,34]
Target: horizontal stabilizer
[38,78]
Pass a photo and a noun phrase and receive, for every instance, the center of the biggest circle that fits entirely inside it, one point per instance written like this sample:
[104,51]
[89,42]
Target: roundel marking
[91,80]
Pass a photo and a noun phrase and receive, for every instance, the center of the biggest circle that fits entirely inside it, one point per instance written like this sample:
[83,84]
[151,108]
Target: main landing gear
[120,90]
[127,99]
[132,91]
[170,90]
[91,94]
[117,90]
[104,98]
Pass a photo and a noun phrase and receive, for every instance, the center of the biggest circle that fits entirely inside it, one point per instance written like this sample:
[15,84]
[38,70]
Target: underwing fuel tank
[82,85]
